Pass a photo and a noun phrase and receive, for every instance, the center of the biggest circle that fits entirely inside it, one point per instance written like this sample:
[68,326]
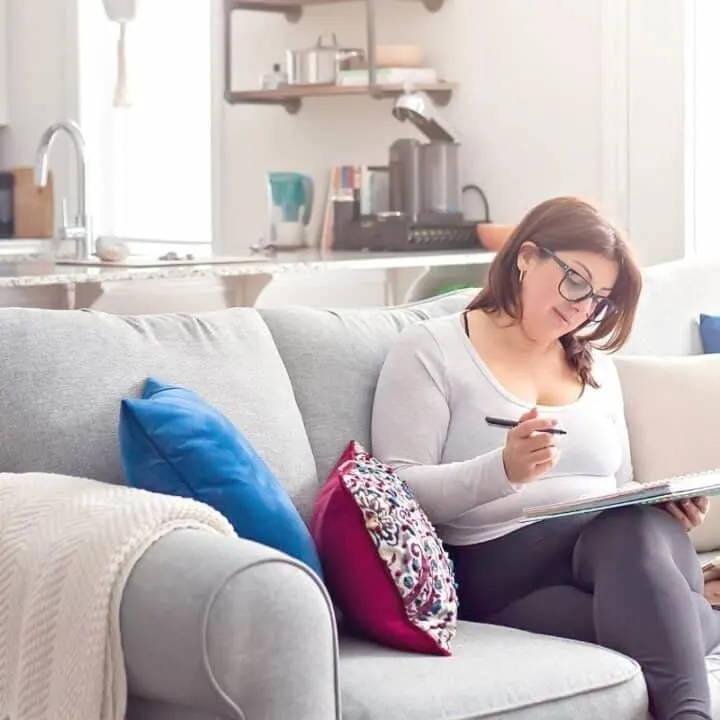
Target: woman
[564,283]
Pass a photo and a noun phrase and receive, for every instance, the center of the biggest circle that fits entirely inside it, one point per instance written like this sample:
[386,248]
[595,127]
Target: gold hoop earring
[522,276]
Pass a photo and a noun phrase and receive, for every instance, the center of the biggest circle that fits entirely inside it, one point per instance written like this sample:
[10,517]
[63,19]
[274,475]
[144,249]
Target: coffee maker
[424,192]
[425,176]
[424,181]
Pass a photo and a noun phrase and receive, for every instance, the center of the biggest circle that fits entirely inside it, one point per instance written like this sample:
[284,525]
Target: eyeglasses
[574,288]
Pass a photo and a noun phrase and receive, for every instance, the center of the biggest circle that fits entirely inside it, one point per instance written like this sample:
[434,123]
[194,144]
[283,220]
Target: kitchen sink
[43,249]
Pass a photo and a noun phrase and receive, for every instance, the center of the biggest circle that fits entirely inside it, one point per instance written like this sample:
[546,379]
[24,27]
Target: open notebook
[674,488]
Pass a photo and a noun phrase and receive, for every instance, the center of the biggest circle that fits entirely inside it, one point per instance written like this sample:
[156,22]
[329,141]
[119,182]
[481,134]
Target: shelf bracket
[371,46]
[292,105]
[441,97]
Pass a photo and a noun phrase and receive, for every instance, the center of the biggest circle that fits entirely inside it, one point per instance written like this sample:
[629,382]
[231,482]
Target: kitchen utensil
[33,207]
[121,12]
[273,80]
[318,65]
[290,199]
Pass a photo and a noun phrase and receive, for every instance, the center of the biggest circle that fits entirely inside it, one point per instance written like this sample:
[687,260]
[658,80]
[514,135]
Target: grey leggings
[626,579]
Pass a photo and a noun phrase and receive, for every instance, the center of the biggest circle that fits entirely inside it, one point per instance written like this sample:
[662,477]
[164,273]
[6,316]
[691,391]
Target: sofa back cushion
[670,411]
[673,297]
[334,359]
[63,376]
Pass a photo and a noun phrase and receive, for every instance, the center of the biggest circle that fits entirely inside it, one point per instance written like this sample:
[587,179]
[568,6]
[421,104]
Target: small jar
[273,80]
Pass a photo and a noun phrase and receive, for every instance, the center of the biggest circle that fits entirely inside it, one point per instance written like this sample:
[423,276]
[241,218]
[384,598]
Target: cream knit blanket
[67,546]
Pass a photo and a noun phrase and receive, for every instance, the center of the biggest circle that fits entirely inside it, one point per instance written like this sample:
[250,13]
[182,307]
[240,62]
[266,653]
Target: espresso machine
[422,208]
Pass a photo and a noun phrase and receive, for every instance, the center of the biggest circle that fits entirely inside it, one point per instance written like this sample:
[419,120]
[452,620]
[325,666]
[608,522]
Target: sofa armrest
[231,627]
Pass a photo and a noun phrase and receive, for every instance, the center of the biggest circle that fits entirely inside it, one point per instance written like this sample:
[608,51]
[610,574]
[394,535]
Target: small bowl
[399,56]
[493,236]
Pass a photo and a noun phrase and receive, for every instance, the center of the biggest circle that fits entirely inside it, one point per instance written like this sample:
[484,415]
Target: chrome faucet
[79,229]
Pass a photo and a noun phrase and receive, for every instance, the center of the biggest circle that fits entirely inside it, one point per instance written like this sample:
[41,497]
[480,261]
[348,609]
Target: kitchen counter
[24,271]
[36,281]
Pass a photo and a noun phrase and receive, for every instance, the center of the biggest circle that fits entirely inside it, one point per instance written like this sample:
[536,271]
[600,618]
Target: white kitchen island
[198,285]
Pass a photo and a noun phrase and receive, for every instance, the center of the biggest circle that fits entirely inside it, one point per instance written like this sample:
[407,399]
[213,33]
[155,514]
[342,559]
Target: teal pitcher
[290,197]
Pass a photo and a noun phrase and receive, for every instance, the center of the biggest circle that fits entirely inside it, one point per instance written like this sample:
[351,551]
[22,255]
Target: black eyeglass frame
[600,302]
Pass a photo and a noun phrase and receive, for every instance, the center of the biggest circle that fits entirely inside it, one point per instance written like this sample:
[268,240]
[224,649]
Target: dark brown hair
[568,223]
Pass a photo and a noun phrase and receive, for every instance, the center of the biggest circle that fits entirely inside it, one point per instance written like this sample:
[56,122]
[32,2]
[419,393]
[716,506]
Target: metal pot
[319,64]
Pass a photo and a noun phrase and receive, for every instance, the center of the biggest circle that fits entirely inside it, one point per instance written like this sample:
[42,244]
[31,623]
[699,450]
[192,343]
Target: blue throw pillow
[174,442]
[710,333]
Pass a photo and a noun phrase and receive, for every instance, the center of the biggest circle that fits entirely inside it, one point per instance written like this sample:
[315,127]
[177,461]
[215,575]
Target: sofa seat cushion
[494,672]
[334,359]
[64,374]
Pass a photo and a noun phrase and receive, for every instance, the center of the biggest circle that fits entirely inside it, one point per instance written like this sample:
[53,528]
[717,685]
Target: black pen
[500,422]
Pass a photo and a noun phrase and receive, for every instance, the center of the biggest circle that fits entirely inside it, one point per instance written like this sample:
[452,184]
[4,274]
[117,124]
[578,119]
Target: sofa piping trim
[211,604]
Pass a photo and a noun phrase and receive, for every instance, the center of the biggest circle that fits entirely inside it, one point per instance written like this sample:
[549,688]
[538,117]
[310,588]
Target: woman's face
[561,290]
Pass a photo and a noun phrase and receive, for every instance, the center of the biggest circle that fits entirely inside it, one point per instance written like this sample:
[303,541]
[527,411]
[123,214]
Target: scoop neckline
[492,379]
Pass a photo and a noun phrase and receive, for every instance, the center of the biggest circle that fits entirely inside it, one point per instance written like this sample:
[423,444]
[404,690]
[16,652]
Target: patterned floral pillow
[383,563]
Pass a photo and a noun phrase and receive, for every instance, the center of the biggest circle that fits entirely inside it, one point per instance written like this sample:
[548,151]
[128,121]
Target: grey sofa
[219,629]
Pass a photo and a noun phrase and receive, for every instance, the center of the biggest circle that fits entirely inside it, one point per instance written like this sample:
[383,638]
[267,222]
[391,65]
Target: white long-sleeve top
[428,423]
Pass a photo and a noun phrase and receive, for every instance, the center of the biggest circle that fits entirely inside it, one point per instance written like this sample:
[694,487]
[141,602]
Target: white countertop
[17,271]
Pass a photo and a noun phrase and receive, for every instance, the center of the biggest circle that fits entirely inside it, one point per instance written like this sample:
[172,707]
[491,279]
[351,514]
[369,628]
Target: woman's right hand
[529,453]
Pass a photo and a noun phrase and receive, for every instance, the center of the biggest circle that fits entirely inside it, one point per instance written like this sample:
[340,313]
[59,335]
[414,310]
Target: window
[150,165]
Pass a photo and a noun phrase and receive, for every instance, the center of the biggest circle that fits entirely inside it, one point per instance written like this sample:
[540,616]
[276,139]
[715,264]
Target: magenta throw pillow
[383,563]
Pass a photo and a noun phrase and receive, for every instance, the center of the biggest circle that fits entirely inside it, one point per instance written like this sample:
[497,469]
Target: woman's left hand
[689,513]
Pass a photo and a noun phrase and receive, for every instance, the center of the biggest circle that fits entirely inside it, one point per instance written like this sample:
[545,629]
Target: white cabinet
[4,39]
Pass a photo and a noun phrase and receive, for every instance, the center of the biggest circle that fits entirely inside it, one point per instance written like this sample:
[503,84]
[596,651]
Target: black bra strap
[465,323]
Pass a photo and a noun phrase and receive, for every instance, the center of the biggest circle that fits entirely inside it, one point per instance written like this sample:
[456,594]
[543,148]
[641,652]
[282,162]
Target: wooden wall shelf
[290,96]
[292,9]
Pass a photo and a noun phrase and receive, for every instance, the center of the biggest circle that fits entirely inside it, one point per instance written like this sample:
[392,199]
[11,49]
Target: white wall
[656,127]
[4,56]
[556,97]
[703,156]
[527,112]
[42,83]
[550,102]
